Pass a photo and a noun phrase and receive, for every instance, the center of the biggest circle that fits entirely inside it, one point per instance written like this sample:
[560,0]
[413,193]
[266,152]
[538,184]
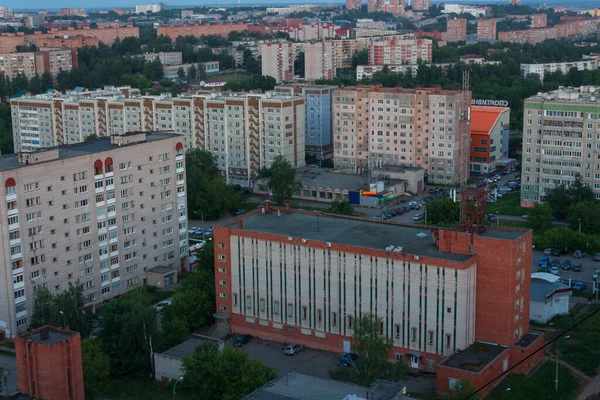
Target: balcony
[12,227]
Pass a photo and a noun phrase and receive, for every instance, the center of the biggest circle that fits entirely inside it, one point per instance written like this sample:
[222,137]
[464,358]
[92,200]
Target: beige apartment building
[109,214]
[345,50]
[399,50]
[486,28]
[456,30]
[29,64]
[319,60]
[278,60]
[375,127]
[420,5]
[165,57]
[244,131]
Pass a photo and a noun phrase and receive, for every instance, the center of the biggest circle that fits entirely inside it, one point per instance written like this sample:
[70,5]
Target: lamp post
[579,219]
[175,386]
[507,390]
[497,219]
[425,215]
[557,352]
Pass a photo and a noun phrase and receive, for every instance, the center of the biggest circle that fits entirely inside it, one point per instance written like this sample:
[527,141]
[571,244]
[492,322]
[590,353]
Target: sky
[54,5]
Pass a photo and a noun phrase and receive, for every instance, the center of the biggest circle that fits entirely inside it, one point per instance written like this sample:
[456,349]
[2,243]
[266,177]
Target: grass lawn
[507,205]
[515,224]
[7,353]
[146,389]
[423,396]
[538,386]
[582,348]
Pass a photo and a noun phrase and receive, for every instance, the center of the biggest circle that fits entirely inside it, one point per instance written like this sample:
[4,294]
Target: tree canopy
[96,368]
[443,211]
[281,178]
[65,309]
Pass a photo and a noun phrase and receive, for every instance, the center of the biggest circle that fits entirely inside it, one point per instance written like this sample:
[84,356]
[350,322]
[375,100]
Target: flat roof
[54,335]
[10,161]
[475,357]
[186,348]
[322,177]
[541,289]
[413,239]
[161,269]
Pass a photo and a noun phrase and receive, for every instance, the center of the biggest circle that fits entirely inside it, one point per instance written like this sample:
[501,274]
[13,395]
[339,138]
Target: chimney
[268,206]
[241,224]
[288,207]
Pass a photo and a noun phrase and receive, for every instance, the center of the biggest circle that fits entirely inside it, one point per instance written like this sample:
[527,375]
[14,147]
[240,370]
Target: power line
[532,354]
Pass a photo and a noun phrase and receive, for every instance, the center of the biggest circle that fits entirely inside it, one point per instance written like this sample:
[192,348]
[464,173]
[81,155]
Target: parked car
[525,216]
[579,254]
[293,349]
[418,217]
[556,252]
[414,205]
[566,264]
[241,340]
[160,305]
[209,232]
[579,286]
[239,211]
[576,267]
[198,231]
[555,263]
[491,217]
[596,257]
[191,231]
[347,359]
[555,270]
[544,261]
[548,252]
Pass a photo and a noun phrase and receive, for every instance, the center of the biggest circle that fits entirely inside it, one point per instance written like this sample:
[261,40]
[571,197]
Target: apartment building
[539,20]
[395,7]
[29,64]
[456,30]
[353,4]
[486,28]
[588,63]
[319,60]
[561,138]
[376,126]
[196,30]
[398,51]
[308,32]
[244,131]
[154,8]
[319,281]
[489,137]
[345,50]
[165,57]
[278,60]
[318,106]
[420,5]
[582,28]
[102,214]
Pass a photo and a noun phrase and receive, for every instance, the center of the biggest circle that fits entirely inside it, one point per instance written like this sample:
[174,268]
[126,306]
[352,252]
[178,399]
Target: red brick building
[303,277]
[486,28]
[49,364]
[539,20]
[221,29]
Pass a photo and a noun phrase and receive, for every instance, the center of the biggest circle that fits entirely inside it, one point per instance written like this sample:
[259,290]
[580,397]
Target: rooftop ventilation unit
[398,249]
[389,248]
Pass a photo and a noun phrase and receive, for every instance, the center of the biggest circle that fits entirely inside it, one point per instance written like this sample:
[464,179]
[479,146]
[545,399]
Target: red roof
[483,119]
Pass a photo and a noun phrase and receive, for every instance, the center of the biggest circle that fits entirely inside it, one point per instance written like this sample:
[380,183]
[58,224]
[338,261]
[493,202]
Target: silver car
[293,349]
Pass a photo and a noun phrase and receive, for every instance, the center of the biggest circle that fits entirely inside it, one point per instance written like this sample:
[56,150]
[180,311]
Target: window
[222,257]
[304,312]
[319,316]
[413,334]
[19,293]
[448,340]
[349,322]
[290,310]
[234,299]
[223,308]
[397,331]
[276,307]
[222,283]
[106,290]
[333,319]
[430,337]
[21,322]
[248,302]
[262,304]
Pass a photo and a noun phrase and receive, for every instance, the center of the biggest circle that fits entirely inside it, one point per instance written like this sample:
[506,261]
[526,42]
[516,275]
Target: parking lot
[588,267]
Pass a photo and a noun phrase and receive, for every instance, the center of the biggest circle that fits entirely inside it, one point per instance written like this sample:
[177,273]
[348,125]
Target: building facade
[395,7]
[486,29]
[420,5]
[78,214]
[397,51]
[279,278]
[582,28]
[154,8]
[353,4]
[561,139]
[539,20]
[456,30]
[588,63]
[345,50]
[489,137]
[318,117]
[375,126]
[165,57]
[278,60]
[51,61]
[319,60]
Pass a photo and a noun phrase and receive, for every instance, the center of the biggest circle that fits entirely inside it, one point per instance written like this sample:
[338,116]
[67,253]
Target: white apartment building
[398,51]
[588,62]
[561,138]
[29,64]
[108,214]
[144,8]
[319,60]
[278,60]
[165,57]
[244,131]
[375,126]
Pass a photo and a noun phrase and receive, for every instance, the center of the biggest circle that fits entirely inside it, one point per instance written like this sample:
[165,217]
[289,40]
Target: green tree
[443,211]
[282,180]
[91,137]
[227,374]
[360,58]
[540,217]
[558,199]
[341,207]
[462,389]
[578,192]
[192,72]
[587,213]
[180,73]
[65,309]
[96,368]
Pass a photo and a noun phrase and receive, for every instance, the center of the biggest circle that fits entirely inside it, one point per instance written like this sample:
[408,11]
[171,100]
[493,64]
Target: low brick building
[49,364]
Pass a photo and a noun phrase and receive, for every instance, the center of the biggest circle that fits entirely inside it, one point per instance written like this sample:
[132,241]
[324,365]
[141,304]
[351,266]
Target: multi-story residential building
[73,11]
[561,139]
[318,101]
[102,214]
[539,20]
[456,30]
[444,297]
[375,126]
[353,4]
[489,137]
[368,23]
[396,7]
[588,63]
[398,51]
[165,57]
[319,60]
[244,132]
[196,30]
[308,32]
[486,28]
[367,71]
[29,64]
[579,28]
[154,8]
[278,60]
[420,5]
[345,50]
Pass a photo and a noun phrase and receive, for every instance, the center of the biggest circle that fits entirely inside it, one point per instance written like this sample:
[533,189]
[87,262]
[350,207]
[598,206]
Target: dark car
[556,252]
[555,263]
[492,218]
[347,359]
[241,340]
[579,286]
[577,267]
[566,264]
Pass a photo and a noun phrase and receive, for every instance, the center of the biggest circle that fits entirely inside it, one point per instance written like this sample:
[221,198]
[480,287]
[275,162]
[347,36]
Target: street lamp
[507,390]
[497,219]
[579,219]
[175,386]
[557,352]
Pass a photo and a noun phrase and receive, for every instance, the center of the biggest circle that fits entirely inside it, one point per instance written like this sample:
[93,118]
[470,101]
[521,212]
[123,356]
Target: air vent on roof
[389,248]
[303,240]
[328,244]
[417,257]
[398,249]
[290,238]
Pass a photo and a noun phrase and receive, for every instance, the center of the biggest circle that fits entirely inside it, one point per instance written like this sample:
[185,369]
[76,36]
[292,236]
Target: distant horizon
[102,5]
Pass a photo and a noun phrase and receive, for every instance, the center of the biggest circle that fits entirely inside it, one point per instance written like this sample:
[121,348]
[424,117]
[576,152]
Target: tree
[341,207]
[226,374]
[559,201]
[192,72]
[586,213]
[461,390]
[64,309]
[96,368]
[90,137]
[180,73]
[282,180]
[360,58]
[578,192]
[540,217]
[443,211]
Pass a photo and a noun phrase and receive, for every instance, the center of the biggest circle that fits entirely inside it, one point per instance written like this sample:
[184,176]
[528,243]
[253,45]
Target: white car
[555,270]
[160,305]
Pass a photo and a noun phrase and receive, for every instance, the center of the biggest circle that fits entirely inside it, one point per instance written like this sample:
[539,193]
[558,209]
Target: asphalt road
[588,266]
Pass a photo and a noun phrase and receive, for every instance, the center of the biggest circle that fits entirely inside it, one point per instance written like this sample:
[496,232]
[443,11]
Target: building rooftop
[378,88]
[49,335]
[186,348]
[541,289]
[297,386]
[413,239]
[573,95]
[161,269]
[527,339]
[475,357]
[484,118]
[321,177]
[11,161]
